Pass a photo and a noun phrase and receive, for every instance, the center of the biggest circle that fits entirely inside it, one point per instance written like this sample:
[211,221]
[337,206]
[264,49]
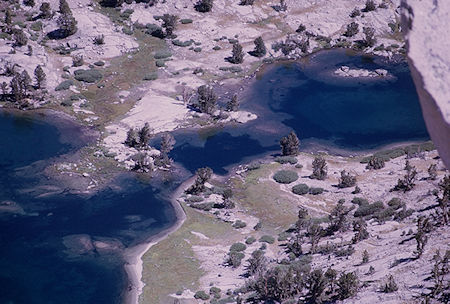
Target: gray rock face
[426,25]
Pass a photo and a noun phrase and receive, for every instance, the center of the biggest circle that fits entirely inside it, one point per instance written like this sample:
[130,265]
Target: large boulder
[426,26]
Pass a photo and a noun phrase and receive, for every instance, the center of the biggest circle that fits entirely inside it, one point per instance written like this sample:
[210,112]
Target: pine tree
[360,228]
[432,172]
[46,11]
[167,143]
[316,284]
[8,17]
[207,99]
[369,39]
[40,77]
[64,8]
[260,48]
[348,285]
[145,134]
[67,25]
[29,3]
[365,257]
[233,104]
[169,23]
[20,39]
[132,138]
[237,55]
[204,6]
[320,169]
[338,217]
[290,144]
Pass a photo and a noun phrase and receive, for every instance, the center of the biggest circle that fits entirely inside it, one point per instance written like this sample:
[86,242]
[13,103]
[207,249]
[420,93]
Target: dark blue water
[46,254]
[41,257]
[326,111]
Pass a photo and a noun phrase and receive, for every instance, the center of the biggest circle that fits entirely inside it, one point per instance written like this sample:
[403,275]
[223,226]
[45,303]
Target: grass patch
[263,198]
[182,271]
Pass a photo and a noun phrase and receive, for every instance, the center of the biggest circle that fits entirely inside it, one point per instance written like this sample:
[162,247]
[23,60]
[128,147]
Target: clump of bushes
[203,206]
[233,69]
[180,43]
[285,176]
[201,295]
[194,199]
[162,54]
[250,240]
[360,201]
[253,166]
[316,191]
[238,247]
[346,180]
[151,76]
[65,85]
[286,160]
[185,21]
[204,6]
[99,63]
[239,224]
[368,209]
[267,239]
[300,189]
[375,163]
[89,76]
[370,6]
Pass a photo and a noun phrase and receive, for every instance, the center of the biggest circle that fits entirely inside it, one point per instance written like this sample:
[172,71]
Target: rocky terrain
[263,220]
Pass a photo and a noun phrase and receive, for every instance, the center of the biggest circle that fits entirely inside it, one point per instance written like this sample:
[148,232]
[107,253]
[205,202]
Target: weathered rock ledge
[426,24]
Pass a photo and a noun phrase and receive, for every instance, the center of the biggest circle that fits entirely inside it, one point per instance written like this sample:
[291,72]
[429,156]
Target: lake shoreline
[133,256]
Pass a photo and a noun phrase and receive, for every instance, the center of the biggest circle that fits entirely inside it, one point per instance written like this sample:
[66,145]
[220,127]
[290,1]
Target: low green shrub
[396,203]
[160,63]
[65,85]
[316,191]
[345,252]
[300,189]
[203,206]
[185,21]
[267,239]
[215,292]
[36,26]
[238,247]
[197,49]
[201,295]
[180,43]
[99,63]
[127,31]
[359,201]
[285,176]
[67,103]
[194,199]
[250,240]
[235,258]
[233,69]
[253,166]
[162,54]
[89,76]
[217,48]
[286,159]
[369,209]
[239,224]
[151,76]
[283,236]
